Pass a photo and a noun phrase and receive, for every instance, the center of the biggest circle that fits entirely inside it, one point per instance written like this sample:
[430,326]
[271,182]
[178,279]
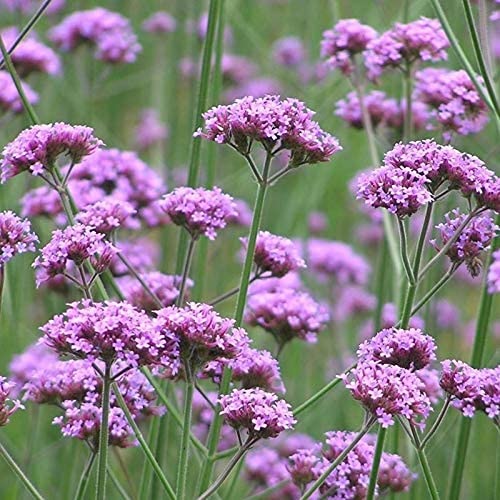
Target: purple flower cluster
[411,349]
[7,405]
[38,147]
[387,391]
[150,130]
[15,236]
[252,368]
[108,215]
[31,55]
[287,314]
[404,44]
[143,254]
[277,124]
[352,302]
[275,255]
[346,39]
[474,239]
[76,244]
[109,31]
[472,389]
[261,413]
[164,286]
[236,70]
[243,215]
[412,172]
[9,96]
[256,87]
[159,23]
[289,51]
[337,261]
[200,211]
[202,334]
[110,332]
[458,106]
[29,6]
[494,273]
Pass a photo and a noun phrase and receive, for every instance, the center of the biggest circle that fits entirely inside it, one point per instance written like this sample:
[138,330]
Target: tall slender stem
[142,442]
[408,118]
[437,422]
[20,474]
[103,435]
[84,479]
[185,271]
[404,252]
[379,448]
[338,460]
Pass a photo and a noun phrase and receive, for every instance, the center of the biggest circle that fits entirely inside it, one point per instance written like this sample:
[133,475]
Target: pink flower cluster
[275,255]
[9,96]
[200,211]
[458,106]
[404,44]
[7,405]
[411,349]
[159,23]
[289,51]
[277,124]
[107,215]
[472,389]
[346,39]
[76,244]
[494,273]
[387,391]
[287,314]
[15,236]
[473,240]
[109,31]
[150,130]
[38,147]
[261,413]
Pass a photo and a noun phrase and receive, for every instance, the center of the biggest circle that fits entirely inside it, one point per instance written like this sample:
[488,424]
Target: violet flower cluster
[262,414]
[275,123]
[108,215]
[494,273]
[150,130]
[289,51]
[159,23]
[9,96]
[16,236]
[8,406]
[200,211]
[472,389]
[108,31]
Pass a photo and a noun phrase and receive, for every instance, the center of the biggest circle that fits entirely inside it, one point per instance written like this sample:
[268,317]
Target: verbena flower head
[337,261]
[7,405]
[121,175]
[77,244]
[16,236]
[387,391]
[346,39]
[457,104]
[411,349]
[317,222]
[76,389]
[494,273]
[252,368]
[203,334]
[255,87]
[302,467]
[275,255]
[474,239]
[472,389]
[275,123]
[236,70]
[430,379]
[110,332]
[287,314]
[159,23]
[164,286]
[9,96]
[352,302]
[109,31]
[38,147]
[261,413]
[404,44]
[351,478]
[30,54]
[244,214]
[150,130]
[200,211]
[108,215]
[142,253]
[376,103]
[447,315]
[289,51]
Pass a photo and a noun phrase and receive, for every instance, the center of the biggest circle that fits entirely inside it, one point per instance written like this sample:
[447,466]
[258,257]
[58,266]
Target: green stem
[144,445]
[338,460]
[408,119]
[422,458]
[119,488]
[185,271]
[182,467]
[437,422]
[19,473]
[145,481]
[404,252]
[103,435]
[380,285]
[482,324]
[84,479]
[379,448]
[225,473]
